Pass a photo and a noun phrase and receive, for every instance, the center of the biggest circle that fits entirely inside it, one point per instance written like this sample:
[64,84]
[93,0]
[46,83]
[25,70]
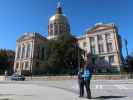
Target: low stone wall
[95,77]
[51,77]
[106,77]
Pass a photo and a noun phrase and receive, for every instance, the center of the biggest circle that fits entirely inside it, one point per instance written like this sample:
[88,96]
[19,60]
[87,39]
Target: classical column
[24,66]
[29,66]
[16,56]
[14,69]
[26,50]
[33,53]
[30,50]
[105,44]
[88,43]
[96,45]
[19,66]
[21,51]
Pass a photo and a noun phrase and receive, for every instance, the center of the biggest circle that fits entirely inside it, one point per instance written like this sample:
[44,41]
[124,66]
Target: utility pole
[126,43]
[78,59]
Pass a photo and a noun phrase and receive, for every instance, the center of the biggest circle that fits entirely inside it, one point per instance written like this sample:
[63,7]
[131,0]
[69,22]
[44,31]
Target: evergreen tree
[6,60]
[62,55]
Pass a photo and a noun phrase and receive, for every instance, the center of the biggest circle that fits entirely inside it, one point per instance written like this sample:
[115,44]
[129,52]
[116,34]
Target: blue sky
[19,16]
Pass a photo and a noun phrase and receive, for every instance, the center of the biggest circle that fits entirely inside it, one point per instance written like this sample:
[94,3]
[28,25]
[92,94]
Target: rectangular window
[99,37]
[101,48]
[102,61]
[92,40]
[93,51]
[107,35]
[26,65]
[42,54]
[111,59]
[102,58]
[109,47]
[38,52]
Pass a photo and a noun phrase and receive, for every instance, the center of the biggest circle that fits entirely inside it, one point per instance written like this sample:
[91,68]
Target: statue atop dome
[59,8]
[59,4]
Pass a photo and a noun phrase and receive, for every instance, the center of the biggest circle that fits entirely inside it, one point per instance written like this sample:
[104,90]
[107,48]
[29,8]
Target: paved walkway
[64,90]
[34,92]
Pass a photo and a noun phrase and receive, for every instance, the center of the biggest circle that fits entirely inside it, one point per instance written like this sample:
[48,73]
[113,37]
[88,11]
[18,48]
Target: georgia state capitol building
[102,40]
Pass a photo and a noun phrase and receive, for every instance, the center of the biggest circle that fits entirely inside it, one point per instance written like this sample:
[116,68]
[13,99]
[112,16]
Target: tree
[129,62]
[128,65]
[6,60]
[62,55]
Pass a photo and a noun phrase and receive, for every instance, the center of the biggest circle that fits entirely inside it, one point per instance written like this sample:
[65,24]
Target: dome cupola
[58,23]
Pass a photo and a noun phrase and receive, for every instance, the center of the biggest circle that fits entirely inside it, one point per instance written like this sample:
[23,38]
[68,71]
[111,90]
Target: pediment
[30,36]
[24,37]
[99,28]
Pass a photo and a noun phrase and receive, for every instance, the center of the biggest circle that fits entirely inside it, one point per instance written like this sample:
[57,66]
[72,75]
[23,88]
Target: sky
[19,16]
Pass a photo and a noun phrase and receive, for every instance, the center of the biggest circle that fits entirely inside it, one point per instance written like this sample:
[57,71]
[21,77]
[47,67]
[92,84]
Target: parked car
[18,77]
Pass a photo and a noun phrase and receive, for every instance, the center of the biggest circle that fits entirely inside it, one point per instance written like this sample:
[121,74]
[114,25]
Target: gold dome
[58,18]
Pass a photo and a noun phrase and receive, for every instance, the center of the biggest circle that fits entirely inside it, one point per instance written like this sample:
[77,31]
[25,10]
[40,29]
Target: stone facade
[29,52]
[104,42]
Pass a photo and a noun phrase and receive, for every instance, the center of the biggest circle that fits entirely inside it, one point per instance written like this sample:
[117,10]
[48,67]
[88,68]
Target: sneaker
[89,97]
[80,96]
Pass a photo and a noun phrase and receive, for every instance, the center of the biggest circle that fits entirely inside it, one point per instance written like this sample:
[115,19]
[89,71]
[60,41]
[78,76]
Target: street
[65,90]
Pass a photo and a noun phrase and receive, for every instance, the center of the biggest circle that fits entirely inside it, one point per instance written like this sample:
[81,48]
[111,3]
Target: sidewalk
[34,92]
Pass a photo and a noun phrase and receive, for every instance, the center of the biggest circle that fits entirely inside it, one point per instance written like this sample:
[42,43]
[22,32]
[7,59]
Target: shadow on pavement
[109,97]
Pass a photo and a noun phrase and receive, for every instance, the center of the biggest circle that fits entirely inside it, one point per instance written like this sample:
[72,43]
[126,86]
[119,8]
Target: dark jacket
[88,73]
[80,74]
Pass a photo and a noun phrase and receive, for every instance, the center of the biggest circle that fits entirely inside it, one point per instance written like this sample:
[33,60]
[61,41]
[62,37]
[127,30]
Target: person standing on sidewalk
[6,75]
[88,70]
[81,82]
